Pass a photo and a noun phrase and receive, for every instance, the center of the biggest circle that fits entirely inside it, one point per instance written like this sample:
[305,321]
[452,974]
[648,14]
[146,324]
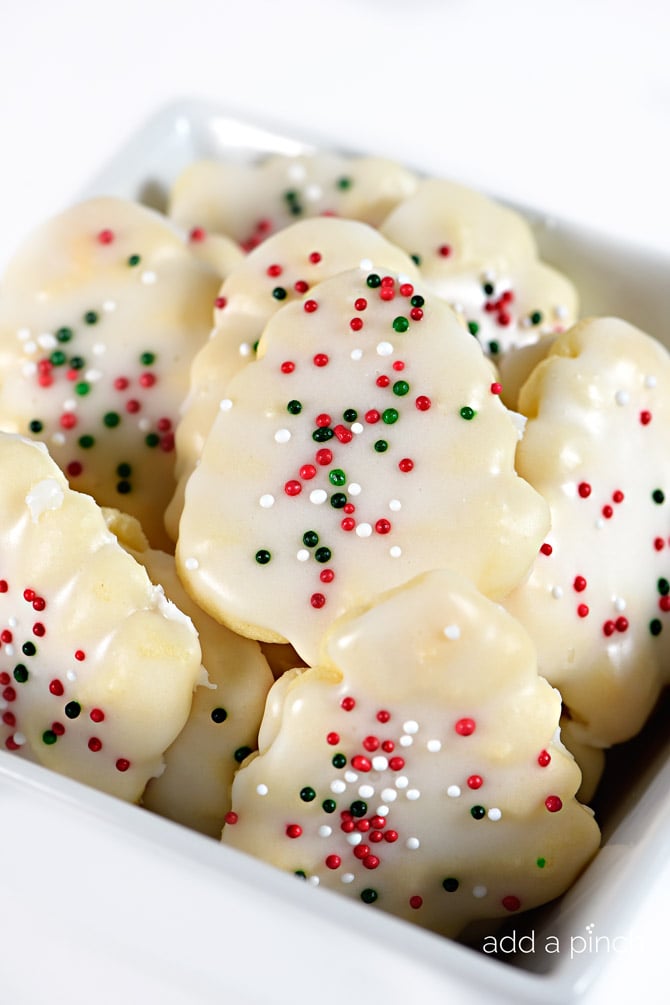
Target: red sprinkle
[348,704]
[544,758]
[95,744]
[294,831]
[553,804]
[333,739]
[317,600]
[415,902]
[465,727]
[310,306]
[584,490]
[423,403]
[122,764]
[333,861]
[106,236]
[231,817]
[406,464]
[321,359]
[511,903]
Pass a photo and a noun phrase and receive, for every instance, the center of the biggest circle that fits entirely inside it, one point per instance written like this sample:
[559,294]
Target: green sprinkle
[263,556]
[373,281]
[381,446]
[473,327]
[368,896]
[111,419]
[658,496]
[28,648]
[467,413]
[339,760]
[663,587]
[241,753]
[323,555]
[57,357]
[91,317]
[124,470]
[86,441]
[49,737]
[152,439]
[401,388]
[218,714]
[300,873]
[73,709]
[124,487]
[488,288]
[147,358]
[322,434]
[77,363]
[358,808]
[540,863]
[329,806]
[494,348]
[338,500]
[450,884]
[82,388]
[344,183]
[536,317]
[310,538]
[655,627]
[294,407]
[279,293]
[255,345]
[390,415]
[20,673]
[337,476]
[416,259]
[350,415]
[134,260]
[36,426]
[307,794]
[478,812]
[417,300]
[400,325]
[64,334]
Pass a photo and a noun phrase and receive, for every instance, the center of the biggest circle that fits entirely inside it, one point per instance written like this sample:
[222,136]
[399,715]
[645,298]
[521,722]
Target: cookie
[101,312]
[481,257]
[222,727]
[367,443]
[597,447]
[98,667]
[248,202]
[418,767]
[284,268]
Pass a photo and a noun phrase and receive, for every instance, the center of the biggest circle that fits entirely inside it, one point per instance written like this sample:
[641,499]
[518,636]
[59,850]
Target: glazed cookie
[597,446]
[282,269]
[366,444]
[98,667]
[248,202]
[418,767]
[222,728]
[481,257]
[101,312]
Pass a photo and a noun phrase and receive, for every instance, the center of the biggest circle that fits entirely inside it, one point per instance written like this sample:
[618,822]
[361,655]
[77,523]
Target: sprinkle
[266,501]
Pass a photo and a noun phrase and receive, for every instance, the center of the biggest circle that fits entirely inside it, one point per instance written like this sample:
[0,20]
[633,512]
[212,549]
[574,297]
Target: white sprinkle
[325,831]
[109,306]
[366,791]
[380,763]
[401,782]
[433,746]
[313,192]
[412,843]
[338,786]
[45,495]
[479,892]
[406,741]
[561,311]
[266,501]
[225,405]
[296,171]
[12,622]
[411,726]
[382,811]
[366,264]
[650,381]
[452,632]
[191,564]
[262,789]
[384,349]
[23,334]
[395,551]
[350,776]
[30,368]
[347,877]
[494,813]
[622,397]
[313,880]
[364,530]
[356,354]
[19,739]
[71,676]
[58,439]
[599,524]
[99,349]
[354,838]
[395,505]
[9,650]
[93,375]
[70,405]
[354,489]
[454,791]
[144,425]
[557,592]
[318,496]
[245,349]
[413,794]
[356,428]
[148,277]
[389,795]
[619,604]
[302,555]
[282,436]
[46,340]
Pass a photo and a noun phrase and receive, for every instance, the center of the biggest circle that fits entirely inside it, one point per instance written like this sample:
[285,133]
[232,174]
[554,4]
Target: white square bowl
[101,901]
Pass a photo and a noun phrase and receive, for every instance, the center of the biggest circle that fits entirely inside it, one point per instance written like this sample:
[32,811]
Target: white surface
[561,105]
[564,106]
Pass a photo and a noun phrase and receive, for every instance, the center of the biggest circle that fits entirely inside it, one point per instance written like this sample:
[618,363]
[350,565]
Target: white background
[563,105]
